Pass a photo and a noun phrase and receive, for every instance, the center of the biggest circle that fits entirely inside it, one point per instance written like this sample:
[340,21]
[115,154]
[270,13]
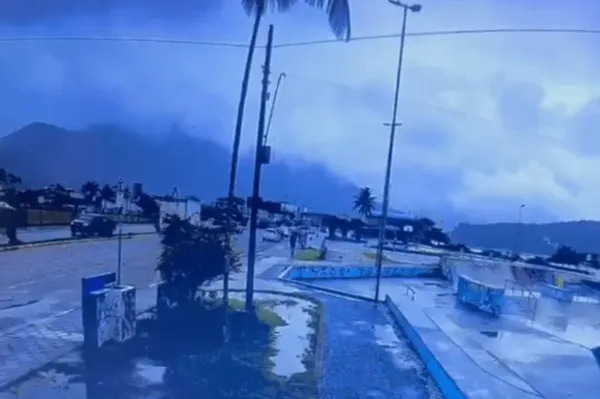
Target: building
[394,218]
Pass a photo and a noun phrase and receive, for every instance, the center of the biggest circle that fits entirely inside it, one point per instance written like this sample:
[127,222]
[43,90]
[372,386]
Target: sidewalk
[28,347]
[359,341]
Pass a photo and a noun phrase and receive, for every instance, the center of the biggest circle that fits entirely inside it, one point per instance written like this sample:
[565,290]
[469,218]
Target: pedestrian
[293,240]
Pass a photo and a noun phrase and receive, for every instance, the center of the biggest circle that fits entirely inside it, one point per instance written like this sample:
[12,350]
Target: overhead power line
[120,39]
[447,33]
[305,43]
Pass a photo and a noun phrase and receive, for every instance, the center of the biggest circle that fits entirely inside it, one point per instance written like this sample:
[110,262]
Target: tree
[107,193]
[148,205]
[567,255]
[9,179]
[90,190]
[364,202]
[338,12]
[193,255]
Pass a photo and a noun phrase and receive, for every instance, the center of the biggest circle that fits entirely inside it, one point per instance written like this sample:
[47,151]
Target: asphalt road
[48,279]
[54,233]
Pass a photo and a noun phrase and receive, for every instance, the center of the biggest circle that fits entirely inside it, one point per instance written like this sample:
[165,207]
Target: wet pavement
[360,338]
[40,293]
[519,355]
[366,357]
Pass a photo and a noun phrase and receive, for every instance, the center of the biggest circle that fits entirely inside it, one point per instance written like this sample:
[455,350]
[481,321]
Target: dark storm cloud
[30,12]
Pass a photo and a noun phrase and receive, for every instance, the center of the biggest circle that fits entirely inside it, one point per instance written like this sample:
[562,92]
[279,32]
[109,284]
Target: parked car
[284,231]
[271,235]
[87,225]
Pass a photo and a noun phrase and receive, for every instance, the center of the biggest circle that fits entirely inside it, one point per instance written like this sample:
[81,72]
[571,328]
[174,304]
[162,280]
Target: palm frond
[338,13]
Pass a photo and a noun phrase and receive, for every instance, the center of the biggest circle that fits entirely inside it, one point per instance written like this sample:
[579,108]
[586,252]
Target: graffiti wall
[109,311]
[484,297]
[337,272]
[115,314]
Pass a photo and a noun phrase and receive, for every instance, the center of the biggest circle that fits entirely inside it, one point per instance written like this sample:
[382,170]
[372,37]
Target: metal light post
[518,229]
[279,79]
[120,203]
[386,187]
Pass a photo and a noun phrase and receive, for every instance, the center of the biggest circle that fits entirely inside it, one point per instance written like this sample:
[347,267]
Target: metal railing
[410,292]
[514,289]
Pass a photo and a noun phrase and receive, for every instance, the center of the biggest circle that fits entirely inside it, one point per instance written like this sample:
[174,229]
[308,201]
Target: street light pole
[392,125]
[120,205]
[279,79]
[518,229]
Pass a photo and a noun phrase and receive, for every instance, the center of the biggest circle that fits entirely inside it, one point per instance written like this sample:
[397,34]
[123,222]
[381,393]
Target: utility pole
[262,156]
[386,187]
[279,79]
[518,229]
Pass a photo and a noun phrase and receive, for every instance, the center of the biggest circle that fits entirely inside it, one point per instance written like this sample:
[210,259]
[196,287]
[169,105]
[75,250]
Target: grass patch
[308,255]
[263,312]
[384,258]
[198,365]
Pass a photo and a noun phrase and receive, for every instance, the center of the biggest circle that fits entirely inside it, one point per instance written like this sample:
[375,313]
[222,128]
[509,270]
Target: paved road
[40,294]
[53,233]
[50,276]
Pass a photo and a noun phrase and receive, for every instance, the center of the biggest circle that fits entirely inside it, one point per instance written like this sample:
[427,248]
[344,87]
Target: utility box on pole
[265,154]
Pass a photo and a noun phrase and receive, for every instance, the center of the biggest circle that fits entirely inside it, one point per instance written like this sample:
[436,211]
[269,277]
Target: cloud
[489,121]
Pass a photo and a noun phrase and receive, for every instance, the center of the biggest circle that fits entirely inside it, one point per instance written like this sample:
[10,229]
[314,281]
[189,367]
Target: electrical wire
[446,33]
[308,43]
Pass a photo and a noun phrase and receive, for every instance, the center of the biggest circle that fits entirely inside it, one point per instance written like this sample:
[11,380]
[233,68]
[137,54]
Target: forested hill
[43,154]
[583,236]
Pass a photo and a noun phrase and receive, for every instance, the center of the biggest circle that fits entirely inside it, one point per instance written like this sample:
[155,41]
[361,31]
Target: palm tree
[90,191]
[364,202]
[338,12]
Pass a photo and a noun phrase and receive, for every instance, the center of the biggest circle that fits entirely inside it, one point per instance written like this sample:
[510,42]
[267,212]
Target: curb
[283,278]
[327,290]
[60,241]
[445,383]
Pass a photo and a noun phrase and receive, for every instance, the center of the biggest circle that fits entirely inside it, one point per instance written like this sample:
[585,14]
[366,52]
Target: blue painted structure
[552,291]
[483,297]
[445,383]
[358,271]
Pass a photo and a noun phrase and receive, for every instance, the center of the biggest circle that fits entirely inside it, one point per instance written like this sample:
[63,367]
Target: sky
[489,122]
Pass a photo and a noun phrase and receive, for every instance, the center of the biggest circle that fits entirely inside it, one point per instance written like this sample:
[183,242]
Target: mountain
[542,239]
[45,154]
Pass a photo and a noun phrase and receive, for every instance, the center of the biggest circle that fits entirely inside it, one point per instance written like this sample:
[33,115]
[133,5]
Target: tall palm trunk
[242,103]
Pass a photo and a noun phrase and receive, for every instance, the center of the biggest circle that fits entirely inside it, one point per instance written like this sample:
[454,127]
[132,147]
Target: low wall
[444,382]
[552,291]
[358,271]
[487,298]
